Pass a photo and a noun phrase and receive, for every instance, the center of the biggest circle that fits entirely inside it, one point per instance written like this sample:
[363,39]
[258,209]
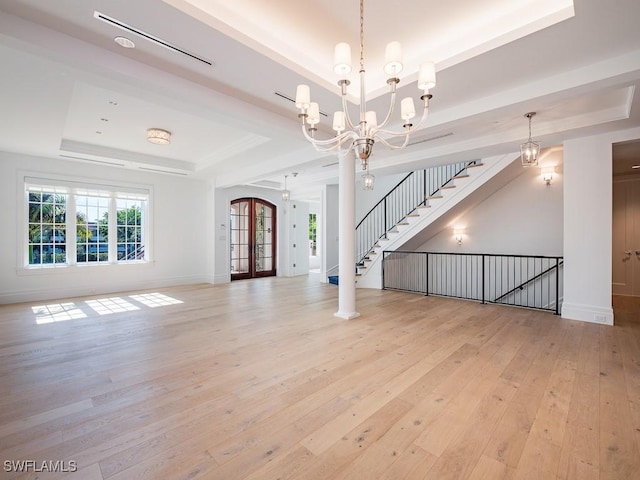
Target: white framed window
[74,223]
[130,237]
[92,227]
[46,225]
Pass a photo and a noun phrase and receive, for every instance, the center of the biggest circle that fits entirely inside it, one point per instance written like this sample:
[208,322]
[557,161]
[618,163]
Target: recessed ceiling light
[124,42]
[635,166]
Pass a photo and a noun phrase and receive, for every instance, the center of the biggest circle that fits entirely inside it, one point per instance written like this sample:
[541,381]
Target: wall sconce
[547,174]
[457,234]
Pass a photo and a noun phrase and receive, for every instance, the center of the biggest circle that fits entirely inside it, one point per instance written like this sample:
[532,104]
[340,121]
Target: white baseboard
[587,313]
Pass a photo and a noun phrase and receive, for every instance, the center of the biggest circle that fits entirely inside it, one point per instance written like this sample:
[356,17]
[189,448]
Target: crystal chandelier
[362,134]
[529,150]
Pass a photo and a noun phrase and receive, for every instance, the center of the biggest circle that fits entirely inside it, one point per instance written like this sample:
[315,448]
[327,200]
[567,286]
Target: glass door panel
[264,237]
[252,238]
[240,238]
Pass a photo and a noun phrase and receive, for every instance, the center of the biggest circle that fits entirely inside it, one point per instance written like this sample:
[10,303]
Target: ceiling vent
[158,41]
[117,164]
[161,170]
[431,139]
[266,184]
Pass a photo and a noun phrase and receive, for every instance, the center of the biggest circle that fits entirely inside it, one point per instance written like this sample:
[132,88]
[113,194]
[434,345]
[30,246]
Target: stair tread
[447,186]
[462,175]
[476,165]
[434,197]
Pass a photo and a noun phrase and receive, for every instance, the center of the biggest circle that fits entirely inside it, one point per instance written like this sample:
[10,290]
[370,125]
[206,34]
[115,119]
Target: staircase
[417,201]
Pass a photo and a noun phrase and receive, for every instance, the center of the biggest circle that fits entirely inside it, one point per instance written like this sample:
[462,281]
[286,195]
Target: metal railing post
[424,186]
[426,273]
[557,287]
[483,257]
[384,285]
[385,218]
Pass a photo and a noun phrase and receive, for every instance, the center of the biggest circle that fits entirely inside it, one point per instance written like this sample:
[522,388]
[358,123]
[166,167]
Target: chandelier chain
[362,35]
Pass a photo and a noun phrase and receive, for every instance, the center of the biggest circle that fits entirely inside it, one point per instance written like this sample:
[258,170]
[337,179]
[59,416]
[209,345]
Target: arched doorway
[253,238]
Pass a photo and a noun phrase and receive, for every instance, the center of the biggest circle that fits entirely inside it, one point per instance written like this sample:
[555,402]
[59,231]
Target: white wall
[295,242]
[180,234]
[284,257]
[588,226]
[523,218]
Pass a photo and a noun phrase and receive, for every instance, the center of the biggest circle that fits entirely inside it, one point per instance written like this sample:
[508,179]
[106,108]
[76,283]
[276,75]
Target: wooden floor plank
[618,448]
[258,380]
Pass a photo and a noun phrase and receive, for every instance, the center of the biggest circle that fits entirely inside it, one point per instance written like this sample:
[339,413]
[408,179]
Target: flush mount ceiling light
[529,150]
[363,133]
[124,42]
[159,136]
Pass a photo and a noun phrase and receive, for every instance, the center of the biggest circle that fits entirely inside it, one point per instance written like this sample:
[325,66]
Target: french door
[253,238]
[626,237]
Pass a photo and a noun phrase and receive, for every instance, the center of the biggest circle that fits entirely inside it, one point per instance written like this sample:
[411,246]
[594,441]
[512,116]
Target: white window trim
[72,185]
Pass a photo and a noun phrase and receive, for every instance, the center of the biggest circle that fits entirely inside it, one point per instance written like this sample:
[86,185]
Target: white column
[347,238]
[587,229]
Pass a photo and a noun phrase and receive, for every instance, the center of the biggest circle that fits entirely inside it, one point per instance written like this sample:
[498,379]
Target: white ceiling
[65,78]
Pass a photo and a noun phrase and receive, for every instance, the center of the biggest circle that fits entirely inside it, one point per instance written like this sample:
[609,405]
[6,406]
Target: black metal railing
[520,280]
[412,192]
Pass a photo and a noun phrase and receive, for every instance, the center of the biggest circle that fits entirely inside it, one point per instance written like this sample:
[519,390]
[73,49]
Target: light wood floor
[257,380]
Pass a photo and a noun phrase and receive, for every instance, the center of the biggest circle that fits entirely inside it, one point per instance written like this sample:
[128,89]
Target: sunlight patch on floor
[57,312]
[153,300]
[106,306]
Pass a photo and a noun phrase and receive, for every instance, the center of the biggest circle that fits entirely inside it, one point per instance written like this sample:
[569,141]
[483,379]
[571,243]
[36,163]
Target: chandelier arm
[346,113]
[333,148]
[389,113]
[330,141]
[408,131]
[395,147]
